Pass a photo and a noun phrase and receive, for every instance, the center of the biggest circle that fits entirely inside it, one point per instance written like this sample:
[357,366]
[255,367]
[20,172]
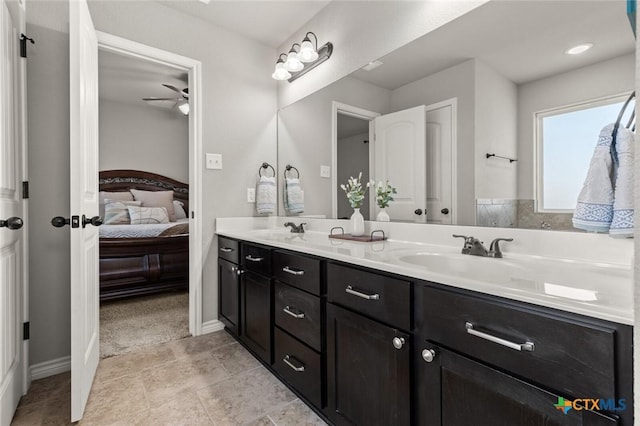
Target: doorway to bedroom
[144,199]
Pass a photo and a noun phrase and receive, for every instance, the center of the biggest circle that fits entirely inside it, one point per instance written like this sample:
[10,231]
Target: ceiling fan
[182,101]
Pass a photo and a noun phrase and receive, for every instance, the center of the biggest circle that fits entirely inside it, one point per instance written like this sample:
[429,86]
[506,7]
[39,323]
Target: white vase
[357,223]
[383,216]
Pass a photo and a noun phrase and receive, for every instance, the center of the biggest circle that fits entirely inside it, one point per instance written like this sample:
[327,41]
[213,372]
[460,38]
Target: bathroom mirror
[486,81]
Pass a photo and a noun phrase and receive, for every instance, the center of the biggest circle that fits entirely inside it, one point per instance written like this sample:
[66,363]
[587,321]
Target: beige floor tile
[187,373]
[296,414]
[245,397]
[235,358]
[133,363]
[195,345]
[42,389]
[185,409]
[262,421]
[29,415]
[114,398]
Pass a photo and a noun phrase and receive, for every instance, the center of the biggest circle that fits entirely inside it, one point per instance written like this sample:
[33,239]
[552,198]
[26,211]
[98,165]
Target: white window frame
[538,117]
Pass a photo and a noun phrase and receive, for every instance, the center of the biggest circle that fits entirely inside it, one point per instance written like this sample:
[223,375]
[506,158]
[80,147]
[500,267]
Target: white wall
[496,121]
[304,136]
[363,31]
[353,158]
[143,137]
[612,77]
[239,111]
[455,82]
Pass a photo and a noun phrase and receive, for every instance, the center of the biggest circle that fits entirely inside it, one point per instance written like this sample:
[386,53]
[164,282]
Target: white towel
[293,196]
[622,223]
[266,195]
[594,210]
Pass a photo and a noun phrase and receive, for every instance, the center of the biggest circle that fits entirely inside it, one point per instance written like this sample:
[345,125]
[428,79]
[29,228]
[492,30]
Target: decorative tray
[376,235]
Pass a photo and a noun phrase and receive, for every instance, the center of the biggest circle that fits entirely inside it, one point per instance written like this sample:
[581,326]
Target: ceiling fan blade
[184,93]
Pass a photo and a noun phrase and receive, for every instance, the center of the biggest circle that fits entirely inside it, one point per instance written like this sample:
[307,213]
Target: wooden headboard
[124,180]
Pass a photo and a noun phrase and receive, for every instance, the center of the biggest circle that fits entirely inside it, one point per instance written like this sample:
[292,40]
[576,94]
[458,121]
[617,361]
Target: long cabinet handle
[288,310]
[526,346]
[288,360]
[226,249]
[293,271]
[254,259]
[355,292]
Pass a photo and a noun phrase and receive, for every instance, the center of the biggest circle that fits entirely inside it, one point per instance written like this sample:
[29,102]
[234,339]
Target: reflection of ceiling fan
[182,101]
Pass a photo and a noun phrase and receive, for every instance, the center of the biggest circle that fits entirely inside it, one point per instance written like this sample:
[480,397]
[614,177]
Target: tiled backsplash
[502,213]
[497,213]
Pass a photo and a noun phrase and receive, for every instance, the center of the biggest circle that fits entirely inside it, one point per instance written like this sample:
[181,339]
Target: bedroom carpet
[136,323]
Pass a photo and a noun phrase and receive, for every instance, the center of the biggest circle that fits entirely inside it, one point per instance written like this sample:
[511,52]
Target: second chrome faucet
[474,246]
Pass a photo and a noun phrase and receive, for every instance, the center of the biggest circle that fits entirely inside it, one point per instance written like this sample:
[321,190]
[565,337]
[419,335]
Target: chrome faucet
[474,247]
[296,229]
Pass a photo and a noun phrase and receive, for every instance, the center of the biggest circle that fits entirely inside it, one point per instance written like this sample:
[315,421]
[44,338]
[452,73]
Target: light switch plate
[251,195]
[325,171]
[214,161]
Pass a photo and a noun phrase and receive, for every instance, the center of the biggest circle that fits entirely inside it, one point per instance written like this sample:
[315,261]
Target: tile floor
[206,380]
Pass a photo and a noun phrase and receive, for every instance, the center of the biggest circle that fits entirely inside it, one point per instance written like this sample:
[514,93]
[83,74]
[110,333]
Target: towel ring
[265,166]
[614,134]
[288,169]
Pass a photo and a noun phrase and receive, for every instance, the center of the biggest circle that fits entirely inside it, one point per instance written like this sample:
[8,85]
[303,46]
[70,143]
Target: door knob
[444,211]
[60,221]
[12,223]
[95,221]
[418,212]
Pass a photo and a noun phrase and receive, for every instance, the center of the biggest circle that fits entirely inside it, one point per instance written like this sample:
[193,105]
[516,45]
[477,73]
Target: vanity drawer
[298,313]
[380,297]
[297,270]
[570,356]
[229,249]
[298,365]
[256,258]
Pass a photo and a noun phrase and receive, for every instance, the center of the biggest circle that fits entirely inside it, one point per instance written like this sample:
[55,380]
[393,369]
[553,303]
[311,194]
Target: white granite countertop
[583,284]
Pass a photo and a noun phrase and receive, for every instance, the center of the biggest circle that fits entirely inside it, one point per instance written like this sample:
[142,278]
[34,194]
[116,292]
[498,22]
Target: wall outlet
[214,161]
[251,195]
[325,171]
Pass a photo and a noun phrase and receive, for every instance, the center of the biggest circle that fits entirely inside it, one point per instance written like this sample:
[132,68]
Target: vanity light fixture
[580,48]
[299,62]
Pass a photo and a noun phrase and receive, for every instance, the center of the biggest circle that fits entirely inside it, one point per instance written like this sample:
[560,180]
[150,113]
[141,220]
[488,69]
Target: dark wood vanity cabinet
[229,284]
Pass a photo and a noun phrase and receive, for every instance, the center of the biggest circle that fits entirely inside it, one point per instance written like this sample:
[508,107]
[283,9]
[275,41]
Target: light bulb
[280,73]
[184,108]
[581,48]
[307,52]
[293,64]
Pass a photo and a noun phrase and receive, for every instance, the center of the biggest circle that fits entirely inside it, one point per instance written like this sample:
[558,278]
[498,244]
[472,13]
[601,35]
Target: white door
[399,155]
[439,165]
[12,241]
[83,70]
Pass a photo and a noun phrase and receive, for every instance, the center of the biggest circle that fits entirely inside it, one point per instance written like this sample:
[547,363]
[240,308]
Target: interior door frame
[453,103]
[114,44]
[344,109]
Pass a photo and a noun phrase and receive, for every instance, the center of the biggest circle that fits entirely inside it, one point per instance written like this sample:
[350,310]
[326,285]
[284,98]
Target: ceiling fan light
[280,72]
[307,51]
[293,64]
[184,108]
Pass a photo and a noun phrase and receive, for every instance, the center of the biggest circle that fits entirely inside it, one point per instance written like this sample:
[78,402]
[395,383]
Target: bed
[142,259]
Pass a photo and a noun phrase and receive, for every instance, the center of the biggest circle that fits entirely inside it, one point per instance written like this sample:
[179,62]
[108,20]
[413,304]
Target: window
[566,139]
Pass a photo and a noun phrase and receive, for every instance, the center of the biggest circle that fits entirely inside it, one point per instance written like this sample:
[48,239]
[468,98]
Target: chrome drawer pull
[293,271]
[354,292]
[254,259]
[288,310]
[287,360]
[226,249]
[526,346]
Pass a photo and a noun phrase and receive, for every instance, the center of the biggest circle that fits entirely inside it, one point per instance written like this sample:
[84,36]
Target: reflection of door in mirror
[441,163]
[352,159]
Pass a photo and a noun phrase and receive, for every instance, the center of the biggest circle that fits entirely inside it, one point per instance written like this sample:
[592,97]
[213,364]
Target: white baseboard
[212,326]
[50,368]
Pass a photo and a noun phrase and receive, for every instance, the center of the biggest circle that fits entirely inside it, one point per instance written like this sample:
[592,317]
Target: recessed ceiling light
[581,48]
[372,65]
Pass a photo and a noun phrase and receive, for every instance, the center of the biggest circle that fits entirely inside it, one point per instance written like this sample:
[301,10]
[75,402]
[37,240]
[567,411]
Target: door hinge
[25,330]
[193,215]
[25,190]
[23,44]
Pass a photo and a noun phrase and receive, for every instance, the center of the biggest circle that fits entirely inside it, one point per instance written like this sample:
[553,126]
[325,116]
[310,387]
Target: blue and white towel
[594,210]
[622,223]
[266,195]
[293,196]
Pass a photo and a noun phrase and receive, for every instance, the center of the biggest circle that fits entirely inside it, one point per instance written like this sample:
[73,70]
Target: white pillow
[179,208]
[156,199]
[116,212]
[143,215]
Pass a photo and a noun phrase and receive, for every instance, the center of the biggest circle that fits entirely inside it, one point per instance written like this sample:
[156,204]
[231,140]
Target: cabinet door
[229,295]
[256,318]
[452,390]
[367,376]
